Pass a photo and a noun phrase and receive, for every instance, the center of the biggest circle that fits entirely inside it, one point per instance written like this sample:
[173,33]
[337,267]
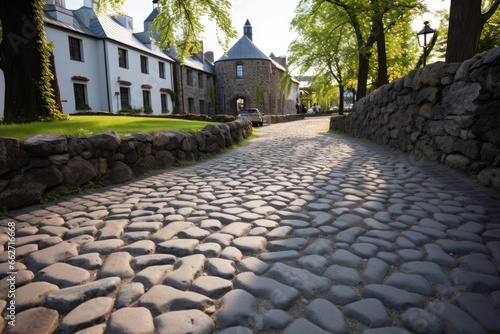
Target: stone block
[44,145]
[12,157]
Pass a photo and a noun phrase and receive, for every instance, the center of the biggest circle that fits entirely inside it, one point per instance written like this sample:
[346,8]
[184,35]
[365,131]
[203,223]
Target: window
[146,98]
[75,49]
[189,74]
[122,58]
[161,69]
[164,107]
[125,96]
[80,96]
[239,71]
[200,80]
[144,64]
[202,107]
[191,105]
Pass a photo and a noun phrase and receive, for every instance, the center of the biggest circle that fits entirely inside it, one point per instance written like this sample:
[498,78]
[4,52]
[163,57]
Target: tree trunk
[363,69]
[466,23]
[383,77]
[341,99]
[27,94]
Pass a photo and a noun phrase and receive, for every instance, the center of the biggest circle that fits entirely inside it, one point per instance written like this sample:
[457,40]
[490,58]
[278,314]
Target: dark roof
[152,16]
[243,49]
[86,21]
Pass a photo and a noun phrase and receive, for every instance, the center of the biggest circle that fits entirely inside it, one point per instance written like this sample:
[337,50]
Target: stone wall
[193,90]
[449,113]
[44,165]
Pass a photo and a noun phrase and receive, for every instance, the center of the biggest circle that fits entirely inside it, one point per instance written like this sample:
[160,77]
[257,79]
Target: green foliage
[109,6]
[490,35]
[338,37]
[83,133]
[126,109]
[83,107]
[179,23]
[44,49]
[258,97]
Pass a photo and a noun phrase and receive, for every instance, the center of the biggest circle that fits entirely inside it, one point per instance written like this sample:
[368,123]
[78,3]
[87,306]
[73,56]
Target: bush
[83,107]
[223,118]
[148,110]
[197,117]
[126,109]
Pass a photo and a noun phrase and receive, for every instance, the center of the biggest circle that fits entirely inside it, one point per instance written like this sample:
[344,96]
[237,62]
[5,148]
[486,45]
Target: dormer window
[239,71]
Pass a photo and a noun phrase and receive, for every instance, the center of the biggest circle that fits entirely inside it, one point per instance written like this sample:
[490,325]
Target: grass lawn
[89,125]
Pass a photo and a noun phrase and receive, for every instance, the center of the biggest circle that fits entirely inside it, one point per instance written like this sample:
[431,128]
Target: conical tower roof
[244,49]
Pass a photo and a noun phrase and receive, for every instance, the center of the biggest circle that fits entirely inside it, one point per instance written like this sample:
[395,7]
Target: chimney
[209,56]
[89,4]
[247,30]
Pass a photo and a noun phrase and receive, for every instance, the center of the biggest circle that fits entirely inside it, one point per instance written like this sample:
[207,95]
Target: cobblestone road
[299,231]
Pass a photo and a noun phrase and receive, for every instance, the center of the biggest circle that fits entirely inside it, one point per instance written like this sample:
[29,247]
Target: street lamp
[425,37]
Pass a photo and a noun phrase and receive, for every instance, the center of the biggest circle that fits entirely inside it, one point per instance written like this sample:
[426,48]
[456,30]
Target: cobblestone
[368,311]
[298,231]
[131,320]
[88,313]
[281,295]
[188,321]
[128,294]
[326,315]
[63,275]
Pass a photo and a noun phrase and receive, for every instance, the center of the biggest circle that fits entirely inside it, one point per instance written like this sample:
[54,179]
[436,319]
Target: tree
[490,35]
[25,62]
[369,20]
[465,26]
[324,48]
[25,53]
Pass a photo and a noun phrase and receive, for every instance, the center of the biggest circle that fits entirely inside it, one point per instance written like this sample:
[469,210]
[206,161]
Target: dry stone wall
[59,164]
[444,112]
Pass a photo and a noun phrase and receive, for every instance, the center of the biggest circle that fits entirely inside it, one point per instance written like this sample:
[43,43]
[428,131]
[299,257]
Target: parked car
[253,114]
[314,110]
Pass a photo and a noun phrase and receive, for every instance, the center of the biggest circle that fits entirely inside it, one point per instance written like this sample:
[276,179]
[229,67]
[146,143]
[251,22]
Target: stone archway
[236,103]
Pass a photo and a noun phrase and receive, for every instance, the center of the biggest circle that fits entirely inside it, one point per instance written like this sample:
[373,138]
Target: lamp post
[425,37]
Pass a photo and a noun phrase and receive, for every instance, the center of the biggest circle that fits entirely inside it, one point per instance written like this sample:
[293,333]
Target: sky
[270,20]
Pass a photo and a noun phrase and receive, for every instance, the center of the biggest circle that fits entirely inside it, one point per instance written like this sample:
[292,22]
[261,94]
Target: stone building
[194,84]
[246,77]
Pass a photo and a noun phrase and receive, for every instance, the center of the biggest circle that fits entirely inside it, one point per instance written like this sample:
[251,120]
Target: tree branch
[486,16]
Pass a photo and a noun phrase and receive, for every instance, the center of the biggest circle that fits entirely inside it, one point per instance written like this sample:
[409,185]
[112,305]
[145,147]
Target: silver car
[253,114]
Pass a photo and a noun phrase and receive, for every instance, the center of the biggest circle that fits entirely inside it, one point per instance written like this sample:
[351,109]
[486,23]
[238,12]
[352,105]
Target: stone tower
[246,77]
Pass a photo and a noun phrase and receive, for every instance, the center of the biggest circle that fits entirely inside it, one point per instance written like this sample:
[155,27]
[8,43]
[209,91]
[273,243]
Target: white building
[102,64]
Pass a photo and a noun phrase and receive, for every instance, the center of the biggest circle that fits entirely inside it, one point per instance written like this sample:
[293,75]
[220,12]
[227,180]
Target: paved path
[299,231]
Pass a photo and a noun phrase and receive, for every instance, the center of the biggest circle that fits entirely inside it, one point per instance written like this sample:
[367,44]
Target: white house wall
[100,66]
[67,68]
[134,75]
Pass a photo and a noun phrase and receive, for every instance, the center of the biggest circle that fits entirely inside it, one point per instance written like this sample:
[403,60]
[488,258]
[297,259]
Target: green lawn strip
[89,125]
